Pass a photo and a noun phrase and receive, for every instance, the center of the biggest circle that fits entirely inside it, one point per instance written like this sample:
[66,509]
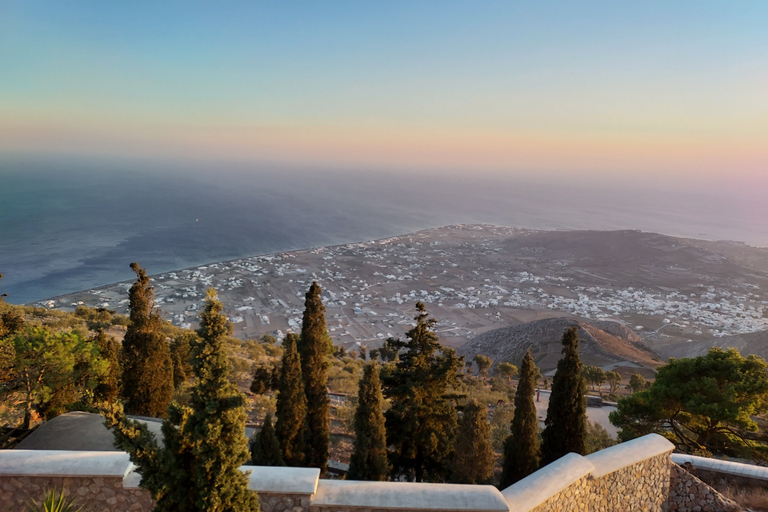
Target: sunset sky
[657,87]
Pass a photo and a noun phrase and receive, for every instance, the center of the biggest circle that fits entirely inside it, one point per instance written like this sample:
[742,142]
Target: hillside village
[474,279]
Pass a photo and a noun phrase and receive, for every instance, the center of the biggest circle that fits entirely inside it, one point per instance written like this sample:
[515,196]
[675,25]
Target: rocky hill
[602,343]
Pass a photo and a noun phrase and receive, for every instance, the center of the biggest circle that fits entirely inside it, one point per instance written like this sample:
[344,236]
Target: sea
[73,224]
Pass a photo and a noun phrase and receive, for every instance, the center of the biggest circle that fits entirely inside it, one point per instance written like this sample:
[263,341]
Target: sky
[652,89]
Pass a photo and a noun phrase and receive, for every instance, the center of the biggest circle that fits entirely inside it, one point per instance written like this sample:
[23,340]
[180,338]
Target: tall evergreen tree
[521,449]
[421,423]
[197,468]
[316,345]
[369,456]
[291,405]
[109,387]
[265,450]
[475,458]
[180,349]
[147,368]
[565,429]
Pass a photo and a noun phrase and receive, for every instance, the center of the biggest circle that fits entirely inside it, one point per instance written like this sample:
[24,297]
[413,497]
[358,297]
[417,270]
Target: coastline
[475,278]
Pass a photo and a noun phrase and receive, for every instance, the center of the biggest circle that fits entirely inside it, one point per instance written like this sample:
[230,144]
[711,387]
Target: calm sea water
[67,226]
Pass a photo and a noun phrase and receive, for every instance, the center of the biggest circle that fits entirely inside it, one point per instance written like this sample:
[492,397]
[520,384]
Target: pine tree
[265,450]
[421,423]
[316,345]
[291,405]
[147,369]
[565,428]
[197,468]
[109,387]
[521,448]
[369,456]
[475,458]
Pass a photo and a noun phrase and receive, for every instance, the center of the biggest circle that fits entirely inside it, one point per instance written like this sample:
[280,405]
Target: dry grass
[751,498]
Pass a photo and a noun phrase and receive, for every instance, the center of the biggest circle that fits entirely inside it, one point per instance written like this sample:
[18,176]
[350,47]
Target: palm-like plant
[53,503]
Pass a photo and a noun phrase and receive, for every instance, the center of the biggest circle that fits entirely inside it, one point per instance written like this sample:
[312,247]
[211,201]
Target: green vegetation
[594,375]
[598,438]
[147,386]
[421,422]
[566,424]
[51,372]
[483,364]
[315,346]
[507,370]
[369,457]
[638,383]
[197,468]
[474,457]
[705,404]
[614,380]
[109,387]
[53,503]
[291,405]
[265,449]
[521,449]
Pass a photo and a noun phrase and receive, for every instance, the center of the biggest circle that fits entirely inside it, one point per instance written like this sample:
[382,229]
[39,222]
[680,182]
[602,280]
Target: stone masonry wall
[642,486]
[689,494]
[94,494]
[106,494]
[273,502]
[571,499]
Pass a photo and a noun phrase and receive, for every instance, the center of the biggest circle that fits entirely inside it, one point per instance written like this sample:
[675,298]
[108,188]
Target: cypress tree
[197,468]
[218,421]
[369,456]
[421,423]
[291,405]
[109,387]
[521,448]
[565,428]
[265,450]
[180,348]
[474,460]
[147,369]
[316,345]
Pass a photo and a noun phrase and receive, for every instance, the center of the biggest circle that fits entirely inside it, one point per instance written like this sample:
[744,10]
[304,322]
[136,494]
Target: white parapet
[625,454]
[722,466]
[63,463]
[408,496]
[536,488]
[283,480]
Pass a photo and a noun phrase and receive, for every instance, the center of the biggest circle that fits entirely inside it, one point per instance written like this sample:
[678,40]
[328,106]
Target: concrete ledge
[407,496]
[625,454]
[282,480]
[535,489]
[61,463]
[722,466]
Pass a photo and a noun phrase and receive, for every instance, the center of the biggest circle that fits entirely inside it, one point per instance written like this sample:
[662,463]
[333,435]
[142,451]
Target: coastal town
[473,278]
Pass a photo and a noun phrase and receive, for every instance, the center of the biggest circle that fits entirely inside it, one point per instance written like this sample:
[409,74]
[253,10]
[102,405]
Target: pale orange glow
[432,147]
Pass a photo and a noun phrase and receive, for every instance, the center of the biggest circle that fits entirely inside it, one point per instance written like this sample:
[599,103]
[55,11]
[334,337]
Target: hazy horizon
[286,126]
[71,224]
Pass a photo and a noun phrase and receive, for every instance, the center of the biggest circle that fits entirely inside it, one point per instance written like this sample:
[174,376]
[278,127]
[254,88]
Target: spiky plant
[53,503]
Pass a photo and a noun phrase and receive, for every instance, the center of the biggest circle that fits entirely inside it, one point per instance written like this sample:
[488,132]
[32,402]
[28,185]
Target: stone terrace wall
[630,476]
[689,494]
[640,486]
[94,494]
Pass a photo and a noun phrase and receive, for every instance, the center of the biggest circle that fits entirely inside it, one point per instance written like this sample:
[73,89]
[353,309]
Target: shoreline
[474,278]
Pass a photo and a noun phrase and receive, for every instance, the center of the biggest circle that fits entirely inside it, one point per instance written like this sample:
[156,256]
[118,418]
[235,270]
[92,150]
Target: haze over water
[71,225]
